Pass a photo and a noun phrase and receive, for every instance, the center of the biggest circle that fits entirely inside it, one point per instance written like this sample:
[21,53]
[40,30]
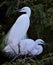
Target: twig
[18,3]
[46,59]
[15,58]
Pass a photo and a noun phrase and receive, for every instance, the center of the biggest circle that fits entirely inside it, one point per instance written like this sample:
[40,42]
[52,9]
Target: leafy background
[41,26]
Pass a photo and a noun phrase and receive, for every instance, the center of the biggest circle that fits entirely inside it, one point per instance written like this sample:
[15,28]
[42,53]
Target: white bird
[27,46]
[39,43]
[19,30]
[31,47]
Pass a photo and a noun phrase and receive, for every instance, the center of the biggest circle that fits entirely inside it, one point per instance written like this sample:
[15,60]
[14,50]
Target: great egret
[19,29]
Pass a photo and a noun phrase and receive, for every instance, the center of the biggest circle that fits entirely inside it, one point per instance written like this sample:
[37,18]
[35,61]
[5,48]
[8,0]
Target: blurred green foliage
[41,25]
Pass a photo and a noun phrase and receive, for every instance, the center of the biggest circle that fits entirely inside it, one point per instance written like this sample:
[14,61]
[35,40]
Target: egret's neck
[38,46]
[28,13]
[40,49]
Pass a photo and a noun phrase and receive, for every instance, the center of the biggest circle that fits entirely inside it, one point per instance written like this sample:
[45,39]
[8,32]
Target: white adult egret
[19,29]
[27,46]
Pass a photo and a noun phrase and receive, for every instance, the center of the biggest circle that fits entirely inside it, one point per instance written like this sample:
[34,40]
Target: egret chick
[39,43]
[31,47]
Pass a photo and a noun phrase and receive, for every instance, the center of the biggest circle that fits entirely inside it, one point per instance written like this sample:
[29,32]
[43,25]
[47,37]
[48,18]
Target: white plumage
[17,34]
[27,46]
[38,44]
[12,49]
[31,47]
[19,30]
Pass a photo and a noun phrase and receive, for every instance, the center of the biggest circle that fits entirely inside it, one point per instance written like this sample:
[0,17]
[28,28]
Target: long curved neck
[39,49]
[38,46]
[28,13]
